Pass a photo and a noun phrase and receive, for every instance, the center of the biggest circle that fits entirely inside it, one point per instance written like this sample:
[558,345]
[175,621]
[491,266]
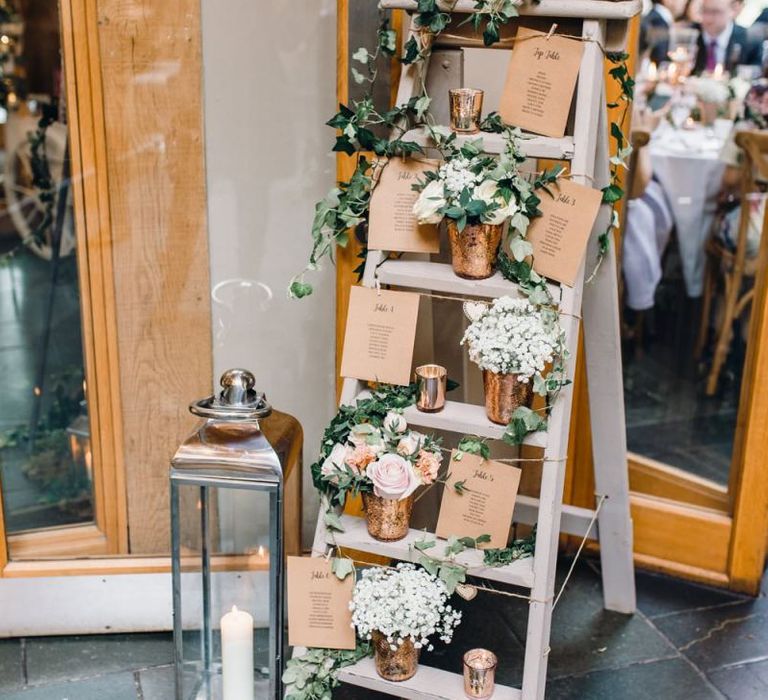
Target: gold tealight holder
[432,383]
[479,673]
[466,109]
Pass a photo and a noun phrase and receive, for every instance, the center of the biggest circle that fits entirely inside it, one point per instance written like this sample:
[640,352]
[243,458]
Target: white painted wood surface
[588,9]
[356,537]
[531,145]
[428,683]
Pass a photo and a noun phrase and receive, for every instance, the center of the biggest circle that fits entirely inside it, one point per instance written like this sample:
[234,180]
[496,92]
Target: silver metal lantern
[227,550]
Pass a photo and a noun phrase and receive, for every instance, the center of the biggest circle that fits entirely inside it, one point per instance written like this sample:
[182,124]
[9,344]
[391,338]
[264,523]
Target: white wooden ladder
[587,151]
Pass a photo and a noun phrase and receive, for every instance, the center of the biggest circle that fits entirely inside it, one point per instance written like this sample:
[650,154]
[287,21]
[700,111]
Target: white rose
[394,422]
[335,461]
[367,434]
[488,192]
[431,199]
[393,477]
[409,444]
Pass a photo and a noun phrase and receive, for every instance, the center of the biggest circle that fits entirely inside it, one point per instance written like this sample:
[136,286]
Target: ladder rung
[440,277]
[428,683]
[466,418]
[531,146]
[584,9]
[355,536]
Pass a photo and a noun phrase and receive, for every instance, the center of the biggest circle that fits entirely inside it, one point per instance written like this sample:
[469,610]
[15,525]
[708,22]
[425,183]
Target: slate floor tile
[585,637]
[10,664]
[671,679]
[747,682]
[720,636]
[120,686]
[61,658]
[662,595]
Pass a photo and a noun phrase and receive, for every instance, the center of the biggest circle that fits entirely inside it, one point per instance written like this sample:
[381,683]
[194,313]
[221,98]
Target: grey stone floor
[686,642]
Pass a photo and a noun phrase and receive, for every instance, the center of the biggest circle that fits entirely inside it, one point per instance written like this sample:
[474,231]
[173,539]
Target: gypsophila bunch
[389,460]
[511,336]
[471,187]
[403,603]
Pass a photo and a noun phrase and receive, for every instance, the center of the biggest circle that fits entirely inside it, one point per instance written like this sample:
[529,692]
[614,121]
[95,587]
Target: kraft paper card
[486,503]
[391,224]
[380,334]
[318,605]
[559,236]
[541,79]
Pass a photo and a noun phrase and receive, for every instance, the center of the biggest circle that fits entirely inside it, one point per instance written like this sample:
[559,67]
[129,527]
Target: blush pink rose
[393,477]
[428,465]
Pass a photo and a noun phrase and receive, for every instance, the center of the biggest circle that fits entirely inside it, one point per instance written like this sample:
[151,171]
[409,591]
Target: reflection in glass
[45,448]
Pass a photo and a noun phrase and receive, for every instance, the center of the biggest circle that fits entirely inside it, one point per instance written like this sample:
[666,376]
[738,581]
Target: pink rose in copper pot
[393,477]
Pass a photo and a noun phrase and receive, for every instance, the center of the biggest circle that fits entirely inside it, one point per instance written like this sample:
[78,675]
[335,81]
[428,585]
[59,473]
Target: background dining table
[686,163]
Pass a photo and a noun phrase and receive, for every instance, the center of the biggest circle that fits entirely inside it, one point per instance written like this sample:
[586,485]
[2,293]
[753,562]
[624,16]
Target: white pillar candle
[237,655]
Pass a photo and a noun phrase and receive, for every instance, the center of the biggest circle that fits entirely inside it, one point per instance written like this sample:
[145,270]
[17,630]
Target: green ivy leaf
[361,55]
[357,76]
[342,567]
[299,290]
[333,522]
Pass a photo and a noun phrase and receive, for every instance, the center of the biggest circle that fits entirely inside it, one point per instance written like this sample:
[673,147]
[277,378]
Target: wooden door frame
[107,534]
[708,533]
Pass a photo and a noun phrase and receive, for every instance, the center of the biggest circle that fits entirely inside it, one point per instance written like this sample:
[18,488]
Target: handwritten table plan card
[391,223]
[541,79]
[560,235]
[484,501]
[318,605]
[380,334]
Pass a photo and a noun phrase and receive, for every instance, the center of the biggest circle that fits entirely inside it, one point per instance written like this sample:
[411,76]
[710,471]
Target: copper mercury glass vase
[504,394]
[398,665]
[475,249]
[388,519]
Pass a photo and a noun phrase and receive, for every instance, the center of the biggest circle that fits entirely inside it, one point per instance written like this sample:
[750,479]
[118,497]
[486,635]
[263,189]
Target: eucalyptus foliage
[314,675]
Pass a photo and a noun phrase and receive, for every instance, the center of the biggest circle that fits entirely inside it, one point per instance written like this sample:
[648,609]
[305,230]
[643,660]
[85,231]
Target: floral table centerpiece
[512,342]
[399,609]
[386,464]
[476,194]
[713,94]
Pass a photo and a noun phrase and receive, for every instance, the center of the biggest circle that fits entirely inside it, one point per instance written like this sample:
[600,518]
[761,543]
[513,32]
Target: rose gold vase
[474,250]
[505,393]
[388,520]
[709,112]
[398,665]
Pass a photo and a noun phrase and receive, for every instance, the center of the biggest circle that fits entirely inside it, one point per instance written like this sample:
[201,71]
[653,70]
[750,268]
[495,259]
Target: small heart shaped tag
[474,309]
[466,591]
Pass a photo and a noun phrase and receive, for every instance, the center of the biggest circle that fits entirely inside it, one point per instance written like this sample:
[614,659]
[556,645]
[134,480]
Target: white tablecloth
[687,165]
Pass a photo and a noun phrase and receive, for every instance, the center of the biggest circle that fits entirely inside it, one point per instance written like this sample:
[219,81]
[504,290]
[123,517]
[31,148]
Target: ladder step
[430,683]
[584,9]
[440,277]
[466,418]
[532,146]
[355,536]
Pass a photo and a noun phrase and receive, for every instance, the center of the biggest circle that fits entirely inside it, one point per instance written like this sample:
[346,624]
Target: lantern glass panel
[229,528]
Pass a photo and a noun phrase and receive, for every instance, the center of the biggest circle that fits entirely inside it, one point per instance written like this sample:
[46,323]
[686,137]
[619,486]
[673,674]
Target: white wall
[269,86]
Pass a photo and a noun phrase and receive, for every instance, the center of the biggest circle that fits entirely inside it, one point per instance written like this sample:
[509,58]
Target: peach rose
[361,457]
[428,465]
[393,477]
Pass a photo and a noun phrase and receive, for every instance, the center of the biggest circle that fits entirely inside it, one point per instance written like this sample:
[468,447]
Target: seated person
[727,229]
[655,27]
[722,41]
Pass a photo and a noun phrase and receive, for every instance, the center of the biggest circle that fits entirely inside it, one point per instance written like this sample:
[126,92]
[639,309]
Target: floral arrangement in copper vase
[386,464]
[514,343]
[399,609]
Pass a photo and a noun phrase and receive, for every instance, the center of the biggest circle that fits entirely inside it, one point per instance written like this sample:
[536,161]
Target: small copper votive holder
[479,673]
[466,108]
[432,381]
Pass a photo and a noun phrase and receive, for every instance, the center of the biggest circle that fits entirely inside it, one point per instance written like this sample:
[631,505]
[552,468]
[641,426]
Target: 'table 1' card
[380,333]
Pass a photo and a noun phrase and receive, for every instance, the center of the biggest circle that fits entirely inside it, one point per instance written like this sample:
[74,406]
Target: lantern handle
[237,401]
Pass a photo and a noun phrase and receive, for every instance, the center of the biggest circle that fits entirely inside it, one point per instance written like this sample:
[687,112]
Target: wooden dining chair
[732,270]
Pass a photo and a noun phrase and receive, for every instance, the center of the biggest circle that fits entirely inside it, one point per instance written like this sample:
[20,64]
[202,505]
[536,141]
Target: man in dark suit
[722,41]
[655,27]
